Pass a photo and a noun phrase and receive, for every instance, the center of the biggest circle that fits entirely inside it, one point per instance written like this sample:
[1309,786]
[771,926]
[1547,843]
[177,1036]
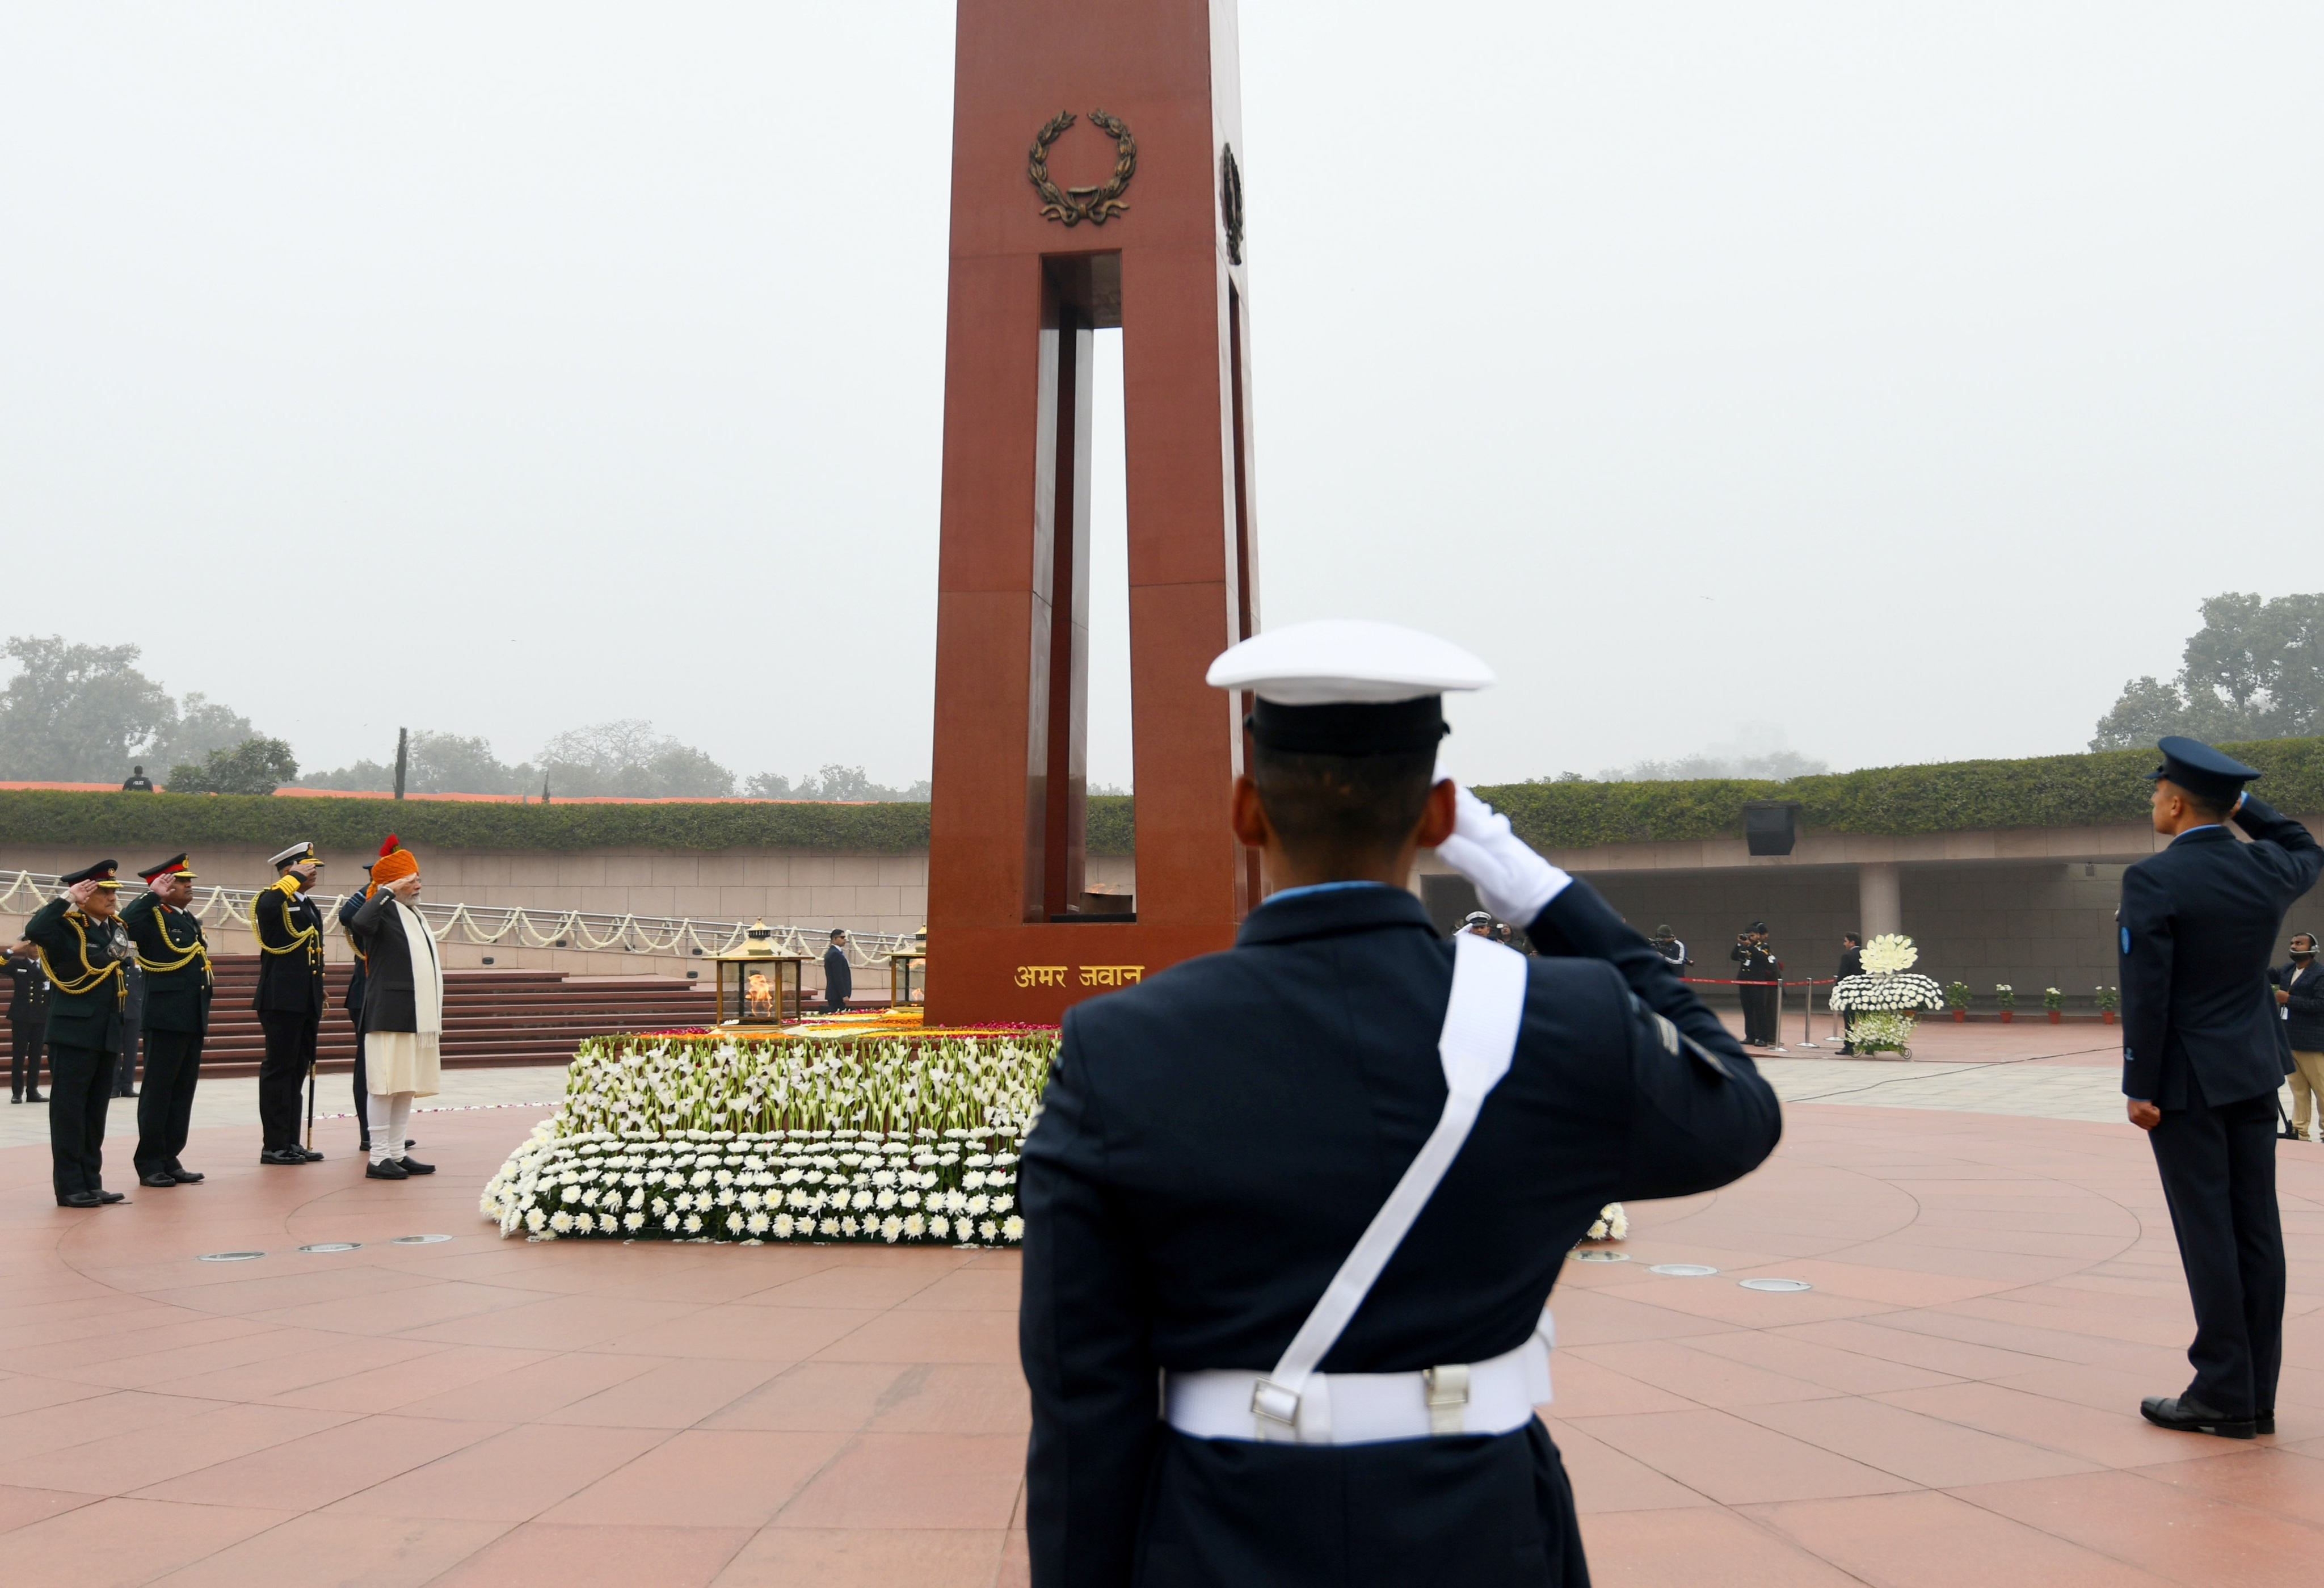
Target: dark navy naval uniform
[2201,1042]
[1212,1145]
[291,1002]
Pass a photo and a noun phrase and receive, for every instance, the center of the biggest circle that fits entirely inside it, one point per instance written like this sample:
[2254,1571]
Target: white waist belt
[1366,1409]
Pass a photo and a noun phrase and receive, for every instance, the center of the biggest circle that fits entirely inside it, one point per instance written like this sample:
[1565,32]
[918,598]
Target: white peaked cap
[1339,662]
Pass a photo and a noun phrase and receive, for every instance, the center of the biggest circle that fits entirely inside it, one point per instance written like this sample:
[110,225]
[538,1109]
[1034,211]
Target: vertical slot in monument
[1081,296]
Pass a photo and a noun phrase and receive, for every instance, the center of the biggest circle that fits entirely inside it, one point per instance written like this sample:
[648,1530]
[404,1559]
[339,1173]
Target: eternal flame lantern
[761,986]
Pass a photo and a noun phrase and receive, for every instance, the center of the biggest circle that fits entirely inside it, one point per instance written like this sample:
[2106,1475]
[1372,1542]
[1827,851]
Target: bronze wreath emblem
[1074,206]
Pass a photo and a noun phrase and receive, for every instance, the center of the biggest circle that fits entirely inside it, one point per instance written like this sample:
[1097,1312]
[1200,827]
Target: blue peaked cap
[2194,765]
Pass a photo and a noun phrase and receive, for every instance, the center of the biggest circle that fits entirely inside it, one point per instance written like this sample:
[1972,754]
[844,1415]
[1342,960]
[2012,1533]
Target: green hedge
[1950,797]
[135,823]
[1960,795]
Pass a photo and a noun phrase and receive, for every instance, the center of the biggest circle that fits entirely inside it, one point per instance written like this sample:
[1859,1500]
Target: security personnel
[353,1004]
[1758,970]
[291,999]
[28,1022]
[83,951]
[175,960]
[1207,1190]
[2201,1063]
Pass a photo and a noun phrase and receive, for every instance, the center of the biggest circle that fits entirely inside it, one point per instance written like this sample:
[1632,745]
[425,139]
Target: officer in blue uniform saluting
[1317,1188]
[2201,1063]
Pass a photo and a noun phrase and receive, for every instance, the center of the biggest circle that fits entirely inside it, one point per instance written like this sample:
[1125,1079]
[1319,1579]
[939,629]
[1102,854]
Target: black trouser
[1759,1012]
[81,1086]
[26,1039]
[125,1074]
[363,1096]
[165,1108]
[2218,1176]
[290,1053]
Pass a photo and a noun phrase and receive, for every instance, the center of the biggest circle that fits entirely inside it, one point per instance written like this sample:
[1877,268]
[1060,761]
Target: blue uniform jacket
[2198,927]
[1213,1142]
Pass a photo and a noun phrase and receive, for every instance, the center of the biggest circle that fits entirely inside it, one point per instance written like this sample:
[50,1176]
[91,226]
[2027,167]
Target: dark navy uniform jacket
[176,998]
[291,963]
[83,958]
[1212,1144]
[2198,924]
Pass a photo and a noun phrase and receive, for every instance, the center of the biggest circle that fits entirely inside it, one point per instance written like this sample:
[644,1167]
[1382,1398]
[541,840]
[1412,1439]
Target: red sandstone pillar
[1131,230]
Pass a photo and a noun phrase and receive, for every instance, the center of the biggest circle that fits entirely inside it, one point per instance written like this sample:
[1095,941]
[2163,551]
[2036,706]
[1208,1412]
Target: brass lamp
[764,987]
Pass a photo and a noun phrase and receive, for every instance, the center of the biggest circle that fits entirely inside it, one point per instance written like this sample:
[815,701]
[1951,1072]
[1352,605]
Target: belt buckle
[1448,1397]
[1270,1402]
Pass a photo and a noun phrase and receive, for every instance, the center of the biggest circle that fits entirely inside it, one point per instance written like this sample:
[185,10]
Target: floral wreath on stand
[1887,997]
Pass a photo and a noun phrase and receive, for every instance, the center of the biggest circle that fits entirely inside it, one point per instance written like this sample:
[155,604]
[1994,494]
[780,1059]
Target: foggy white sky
[1900,375]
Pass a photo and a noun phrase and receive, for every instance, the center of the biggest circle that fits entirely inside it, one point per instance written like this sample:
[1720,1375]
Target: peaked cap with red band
[175,866]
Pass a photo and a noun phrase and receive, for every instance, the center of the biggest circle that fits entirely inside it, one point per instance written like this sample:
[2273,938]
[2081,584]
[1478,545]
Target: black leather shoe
[387,1169]
[34,1097]
[288,1156]
[80,1199]
[103,1196]
[412,1166]
[186,1176]
[308,1153]
[159,1178]
[2192,1417]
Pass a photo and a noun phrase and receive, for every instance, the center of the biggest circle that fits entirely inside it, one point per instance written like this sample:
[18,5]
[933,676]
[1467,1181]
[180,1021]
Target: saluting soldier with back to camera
[176,961]
[291,998]
[1318,1186]
[83,952]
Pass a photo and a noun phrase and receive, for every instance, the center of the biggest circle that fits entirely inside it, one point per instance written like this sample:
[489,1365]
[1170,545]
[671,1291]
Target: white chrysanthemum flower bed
[910,1139]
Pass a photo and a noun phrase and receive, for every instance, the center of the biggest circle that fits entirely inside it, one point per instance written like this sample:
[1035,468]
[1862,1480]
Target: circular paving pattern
[1954,1400]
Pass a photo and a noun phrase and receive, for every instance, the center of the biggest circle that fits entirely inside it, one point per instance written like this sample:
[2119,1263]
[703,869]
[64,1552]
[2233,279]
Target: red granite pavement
[1953,1402]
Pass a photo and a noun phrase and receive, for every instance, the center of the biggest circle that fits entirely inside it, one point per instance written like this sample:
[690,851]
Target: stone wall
[862,892]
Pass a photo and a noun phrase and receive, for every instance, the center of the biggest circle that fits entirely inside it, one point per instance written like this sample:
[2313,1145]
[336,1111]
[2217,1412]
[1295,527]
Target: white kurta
[411,1061]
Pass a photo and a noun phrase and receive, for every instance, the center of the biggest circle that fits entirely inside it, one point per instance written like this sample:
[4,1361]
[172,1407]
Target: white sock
[390,1121]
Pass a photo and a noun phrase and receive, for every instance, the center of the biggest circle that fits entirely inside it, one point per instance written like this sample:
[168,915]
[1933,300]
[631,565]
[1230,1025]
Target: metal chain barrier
[493,924]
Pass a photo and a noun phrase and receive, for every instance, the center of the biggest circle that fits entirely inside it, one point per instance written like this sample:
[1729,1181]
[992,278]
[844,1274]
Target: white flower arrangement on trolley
[692,1138]
[1887,997]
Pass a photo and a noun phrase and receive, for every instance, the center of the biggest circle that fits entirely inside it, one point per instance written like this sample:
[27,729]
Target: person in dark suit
[351,1002]
[2300,1002]
[28,1022]
[838,976]
[1218,1145]
[291,997]
[2201,1063]
[1851,964]
[175,960]
[136,783]
[1758,969]
[83,951]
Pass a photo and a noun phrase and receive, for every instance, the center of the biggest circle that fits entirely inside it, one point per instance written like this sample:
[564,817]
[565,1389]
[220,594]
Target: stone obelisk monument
[1095,184]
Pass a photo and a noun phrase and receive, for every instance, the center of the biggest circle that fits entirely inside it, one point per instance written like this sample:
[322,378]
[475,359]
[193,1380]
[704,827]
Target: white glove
[1513,882]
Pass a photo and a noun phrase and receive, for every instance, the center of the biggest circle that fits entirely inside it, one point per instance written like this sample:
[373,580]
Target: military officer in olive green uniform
[83,950]
[176,962]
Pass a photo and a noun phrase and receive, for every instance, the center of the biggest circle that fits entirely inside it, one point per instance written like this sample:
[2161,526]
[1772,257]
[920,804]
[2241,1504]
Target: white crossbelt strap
[1480,1038]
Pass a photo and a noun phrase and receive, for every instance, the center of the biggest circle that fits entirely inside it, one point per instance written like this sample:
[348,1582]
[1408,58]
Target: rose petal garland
[896,1140]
